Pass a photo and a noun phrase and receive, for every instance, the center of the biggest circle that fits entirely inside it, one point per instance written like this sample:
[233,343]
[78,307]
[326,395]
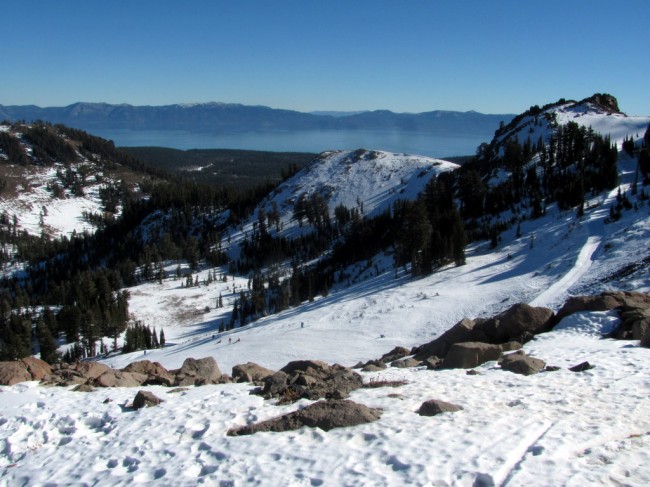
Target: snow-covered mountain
[599,112]
[555,428]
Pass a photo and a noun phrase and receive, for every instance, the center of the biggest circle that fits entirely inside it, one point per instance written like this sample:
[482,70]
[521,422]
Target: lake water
[303,141]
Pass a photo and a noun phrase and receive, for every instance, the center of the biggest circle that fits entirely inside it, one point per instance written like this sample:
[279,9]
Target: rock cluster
[311,379]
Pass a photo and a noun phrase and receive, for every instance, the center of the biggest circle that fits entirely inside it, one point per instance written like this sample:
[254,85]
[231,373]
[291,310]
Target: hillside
[56,181]
[342,263]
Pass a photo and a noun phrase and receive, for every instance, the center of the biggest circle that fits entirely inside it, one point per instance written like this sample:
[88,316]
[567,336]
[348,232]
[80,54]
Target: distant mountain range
[229,118]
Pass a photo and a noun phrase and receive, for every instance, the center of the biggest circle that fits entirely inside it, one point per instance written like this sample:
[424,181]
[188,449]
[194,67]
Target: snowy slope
[559,428]
[370,181]
[585,113]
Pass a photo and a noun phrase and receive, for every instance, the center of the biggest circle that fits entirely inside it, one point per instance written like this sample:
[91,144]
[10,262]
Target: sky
[410,56]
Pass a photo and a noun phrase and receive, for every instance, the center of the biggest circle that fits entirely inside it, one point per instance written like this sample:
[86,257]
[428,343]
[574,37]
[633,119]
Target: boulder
[250,372]
[37,368]
[518,323]
[464,331]
[523,364]
[84,388]
[90,370]
[581,367]
[198,372]
[395,354]
[155,372]
[145,399]
[406,363]
[634,324]
[373,366]
[468,355]
[311,379]
[325,415]
[604,302]
[119,378]
[434,407]
[13,372]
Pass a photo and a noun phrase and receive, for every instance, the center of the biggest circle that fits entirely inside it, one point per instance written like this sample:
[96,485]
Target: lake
[303,141]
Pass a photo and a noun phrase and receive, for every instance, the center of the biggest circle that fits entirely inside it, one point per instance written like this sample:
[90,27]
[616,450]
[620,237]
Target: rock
[436,406]
[603,302]
[581,367]
[13,372]
[433,362]
[406,363]
[634,324]
[468,355]
[325,415]
[84,388]
[145,399]
[463,331]
[90,370]
[395,354]
[518,323]
[373,367]
[198,372]
[155,372]
[520,363]
[250,372]
[311,379]
[119,378]
[37,368]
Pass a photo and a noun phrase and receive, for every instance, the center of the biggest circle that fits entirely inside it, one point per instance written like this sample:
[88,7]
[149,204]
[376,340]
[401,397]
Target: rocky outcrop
[466,330]
[250,372]
[606,301]
[433,407]
[155,372]
[518,323]
[145,399]
[311,379]
[198,372]
[13,373]
[520,363]
[468,355]
[119,378]
[26,369]
[325,415]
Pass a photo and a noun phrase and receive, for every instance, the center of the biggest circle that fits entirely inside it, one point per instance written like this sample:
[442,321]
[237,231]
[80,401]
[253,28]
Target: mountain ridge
[231,117]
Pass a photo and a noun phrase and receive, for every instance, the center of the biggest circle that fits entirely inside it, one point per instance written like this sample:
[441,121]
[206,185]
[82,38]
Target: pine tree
[161,340]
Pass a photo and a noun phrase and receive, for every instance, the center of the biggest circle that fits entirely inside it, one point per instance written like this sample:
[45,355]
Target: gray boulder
[119,378]
[155,372]
[518,323]
[198,372]
[145,399]
[406,363]
[325,415]
[520,363]
[434,407]
[464,331]
[395,354]
[311,379]
[468,355]
[250,372]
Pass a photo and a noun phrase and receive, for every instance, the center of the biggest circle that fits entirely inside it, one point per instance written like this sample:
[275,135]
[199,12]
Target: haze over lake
[302,141]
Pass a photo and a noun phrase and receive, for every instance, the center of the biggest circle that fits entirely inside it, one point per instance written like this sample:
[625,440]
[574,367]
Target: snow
[553,428]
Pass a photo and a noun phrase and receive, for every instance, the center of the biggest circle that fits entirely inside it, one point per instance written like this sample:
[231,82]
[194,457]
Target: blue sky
[408,56]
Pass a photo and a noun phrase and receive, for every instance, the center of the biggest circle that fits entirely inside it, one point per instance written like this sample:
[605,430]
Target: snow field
[554,428]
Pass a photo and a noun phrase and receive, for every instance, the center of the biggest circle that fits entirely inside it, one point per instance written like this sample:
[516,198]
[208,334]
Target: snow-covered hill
[559,428]
[364,180]
[599,112]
